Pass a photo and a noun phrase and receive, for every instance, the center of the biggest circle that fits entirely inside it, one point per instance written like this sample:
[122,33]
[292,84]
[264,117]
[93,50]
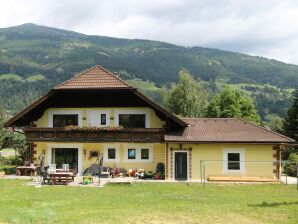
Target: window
[144,153]
[62,120]
[233,158]
[233,161]
[132,120]
[103,119]
[111,153]
[131,154]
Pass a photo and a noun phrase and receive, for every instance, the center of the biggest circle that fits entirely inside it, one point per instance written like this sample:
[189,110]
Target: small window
[103,119]
[144,153]
[62,120]
[131,154]
[111,153]
[233,161]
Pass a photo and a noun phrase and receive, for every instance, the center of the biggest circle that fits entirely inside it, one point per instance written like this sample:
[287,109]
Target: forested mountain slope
[35,58]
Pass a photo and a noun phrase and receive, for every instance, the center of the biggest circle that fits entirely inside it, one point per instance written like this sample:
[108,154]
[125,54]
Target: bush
[12,160]
[292,168]
[8,169]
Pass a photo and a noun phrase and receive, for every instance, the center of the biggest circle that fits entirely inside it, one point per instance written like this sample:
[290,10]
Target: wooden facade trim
[124,135]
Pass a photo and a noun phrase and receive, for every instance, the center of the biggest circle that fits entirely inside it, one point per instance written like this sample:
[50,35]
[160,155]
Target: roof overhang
[24,117]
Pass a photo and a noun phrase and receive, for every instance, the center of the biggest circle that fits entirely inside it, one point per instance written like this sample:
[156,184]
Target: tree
[276,124]
[9,138]
[291,120]
[291,125]
[188,98]
[230,103]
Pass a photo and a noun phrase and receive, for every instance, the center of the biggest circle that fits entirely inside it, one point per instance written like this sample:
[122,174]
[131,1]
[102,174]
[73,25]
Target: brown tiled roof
[208,130]
[94,78]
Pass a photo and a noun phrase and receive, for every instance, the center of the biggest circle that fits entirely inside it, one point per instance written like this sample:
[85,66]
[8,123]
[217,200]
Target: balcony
[123,135]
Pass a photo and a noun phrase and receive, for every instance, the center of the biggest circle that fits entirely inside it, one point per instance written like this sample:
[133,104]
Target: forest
[35,58]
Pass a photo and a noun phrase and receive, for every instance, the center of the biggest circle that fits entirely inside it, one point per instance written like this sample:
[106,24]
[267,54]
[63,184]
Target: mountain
[35,58]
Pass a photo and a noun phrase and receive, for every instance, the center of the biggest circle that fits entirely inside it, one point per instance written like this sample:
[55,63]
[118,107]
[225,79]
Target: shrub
[292,168]
[12,160]
[8,169]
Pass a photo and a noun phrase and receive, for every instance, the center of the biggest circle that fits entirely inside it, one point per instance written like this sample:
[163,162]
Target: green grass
[148,203]
[11,76]
[141,84]
[35,78]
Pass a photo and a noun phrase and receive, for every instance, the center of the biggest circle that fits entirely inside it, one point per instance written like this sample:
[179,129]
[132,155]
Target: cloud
[265,28]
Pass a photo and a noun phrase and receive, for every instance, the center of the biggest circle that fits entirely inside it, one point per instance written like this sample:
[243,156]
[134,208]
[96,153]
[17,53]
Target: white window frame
[67,145]
[241,151]
[99,113]
[138,158]
[141,154]
[51,114]
[146,112]
[117,154]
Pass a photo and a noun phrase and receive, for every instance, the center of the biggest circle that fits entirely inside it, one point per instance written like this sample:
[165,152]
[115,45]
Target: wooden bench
[241,179]
[61,178]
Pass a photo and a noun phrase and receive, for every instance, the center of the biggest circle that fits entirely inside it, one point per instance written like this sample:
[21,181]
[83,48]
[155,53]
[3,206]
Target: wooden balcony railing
[123,135]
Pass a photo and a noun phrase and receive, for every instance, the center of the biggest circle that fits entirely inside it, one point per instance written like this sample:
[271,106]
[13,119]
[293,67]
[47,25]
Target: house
[96,112]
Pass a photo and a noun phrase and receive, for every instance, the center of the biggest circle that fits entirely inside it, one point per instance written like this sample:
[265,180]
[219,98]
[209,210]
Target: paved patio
[290,180]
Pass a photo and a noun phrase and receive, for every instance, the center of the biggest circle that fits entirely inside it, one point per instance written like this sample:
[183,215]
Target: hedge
[8,169]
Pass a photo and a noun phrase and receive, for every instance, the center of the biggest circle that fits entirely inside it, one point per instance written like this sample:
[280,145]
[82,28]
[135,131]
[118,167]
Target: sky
[266,28]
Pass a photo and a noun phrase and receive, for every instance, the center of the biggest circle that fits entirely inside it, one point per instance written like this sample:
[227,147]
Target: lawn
[148,203]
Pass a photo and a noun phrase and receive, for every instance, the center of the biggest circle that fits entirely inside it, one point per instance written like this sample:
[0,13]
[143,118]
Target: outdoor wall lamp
[85,152]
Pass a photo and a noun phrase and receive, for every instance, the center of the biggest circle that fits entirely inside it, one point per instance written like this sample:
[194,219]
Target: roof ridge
[273,132]
[77,75]
[89,69]
[99,66]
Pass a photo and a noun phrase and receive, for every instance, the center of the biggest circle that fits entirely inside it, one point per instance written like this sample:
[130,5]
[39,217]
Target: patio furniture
[62,178]
[105,172]
[94,170]
[46,177]
[52,168]
[26,170]
[65,167]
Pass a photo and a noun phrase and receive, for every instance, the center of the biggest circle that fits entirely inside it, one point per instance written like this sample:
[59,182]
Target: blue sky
[266,28]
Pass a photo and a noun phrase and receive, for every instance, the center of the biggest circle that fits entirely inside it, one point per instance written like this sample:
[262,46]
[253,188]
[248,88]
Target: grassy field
[148,203]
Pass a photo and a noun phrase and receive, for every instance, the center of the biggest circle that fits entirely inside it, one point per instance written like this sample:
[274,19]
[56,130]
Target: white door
[98,118]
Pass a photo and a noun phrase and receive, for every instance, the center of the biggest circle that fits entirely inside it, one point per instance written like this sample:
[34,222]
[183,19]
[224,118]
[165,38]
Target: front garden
[148,203]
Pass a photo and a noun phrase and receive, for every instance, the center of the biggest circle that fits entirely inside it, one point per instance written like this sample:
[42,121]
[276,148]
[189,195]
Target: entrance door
[65,156]
[181,165]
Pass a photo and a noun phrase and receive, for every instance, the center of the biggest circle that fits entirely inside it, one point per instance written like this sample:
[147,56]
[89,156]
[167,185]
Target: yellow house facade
[95,113]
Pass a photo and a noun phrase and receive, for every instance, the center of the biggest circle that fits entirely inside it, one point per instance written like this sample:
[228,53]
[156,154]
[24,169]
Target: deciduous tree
[231,103]
[188,98]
